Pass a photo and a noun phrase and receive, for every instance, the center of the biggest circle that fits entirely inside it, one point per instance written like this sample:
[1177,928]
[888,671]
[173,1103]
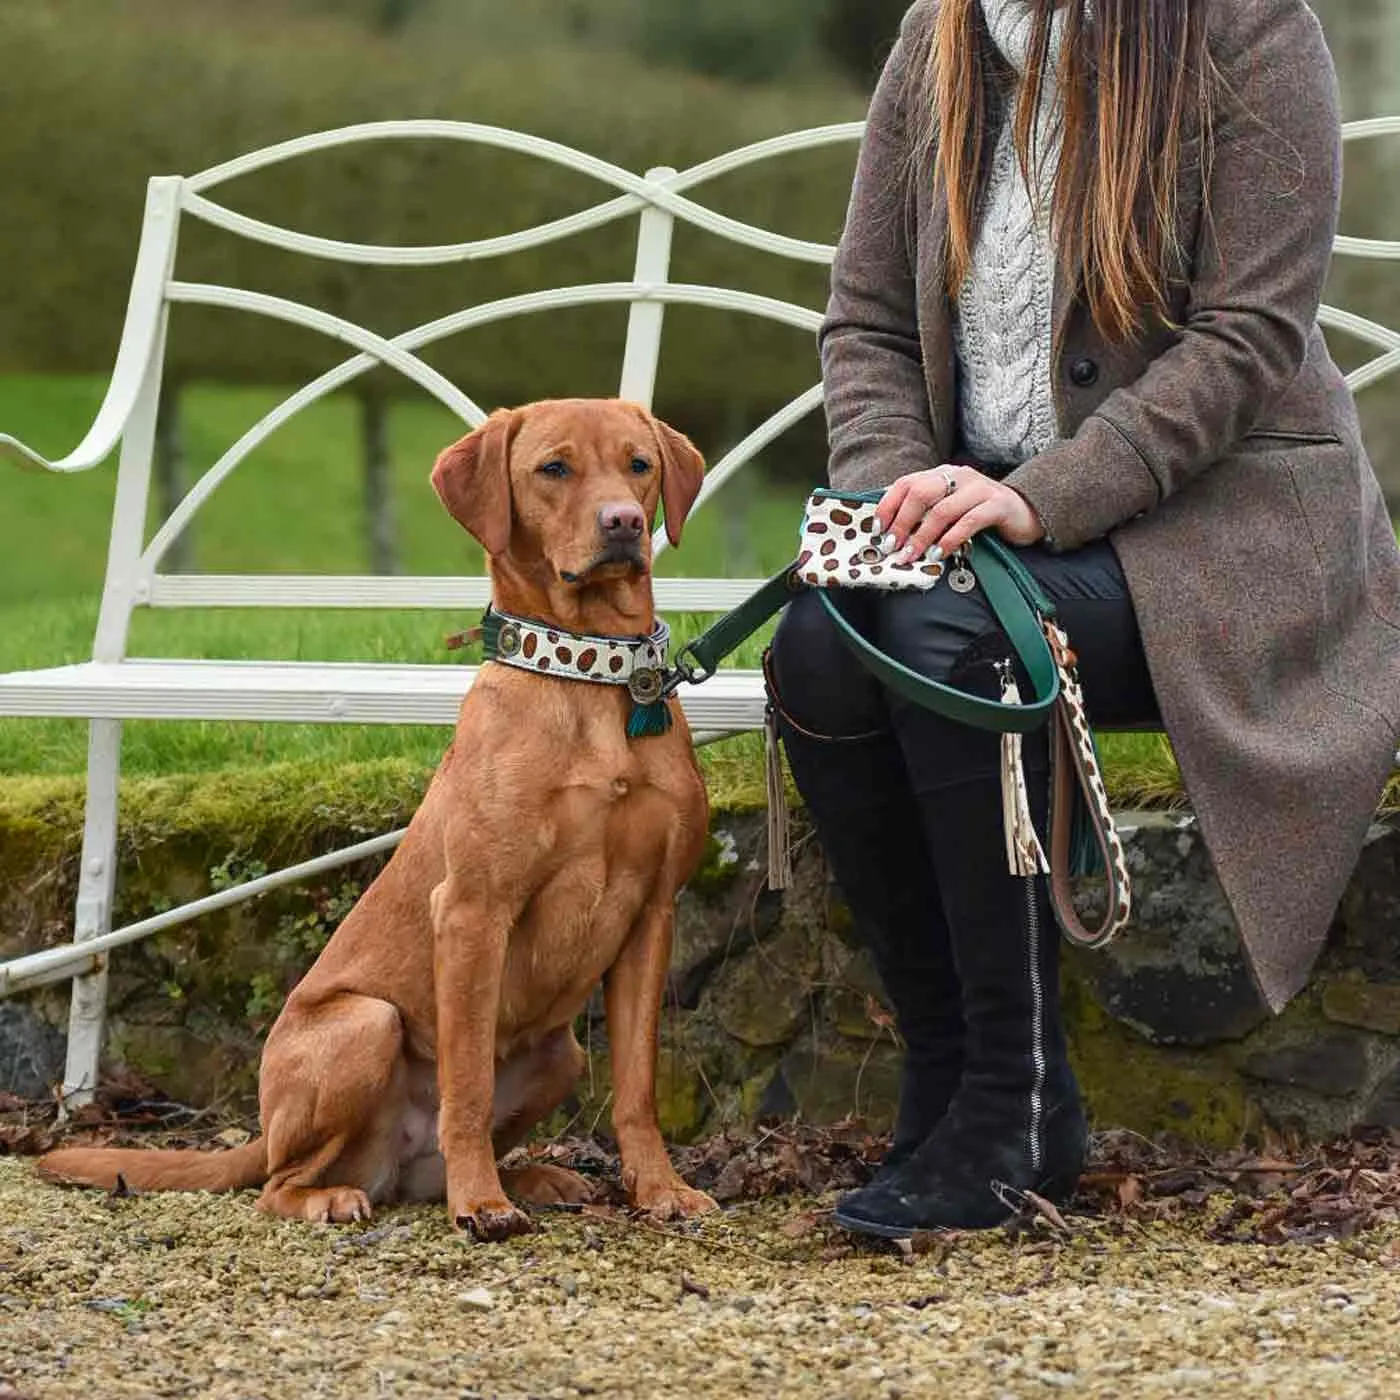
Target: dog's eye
[558,470]
[640,466]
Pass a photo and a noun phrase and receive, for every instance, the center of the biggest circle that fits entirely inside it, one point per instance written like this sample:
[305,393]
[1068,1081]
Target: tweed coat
[1221,455]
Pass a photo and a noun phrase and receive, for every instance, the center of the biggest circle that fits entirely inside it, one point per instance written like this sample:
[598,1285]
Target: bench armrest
[94,449]
[112,418]
[128,378]
[143,339]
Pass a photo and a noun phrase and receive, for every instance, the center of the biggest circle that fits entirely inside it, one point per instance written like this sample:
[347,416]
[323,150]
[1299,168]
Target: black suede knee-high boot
[1016,1121]
[872,832]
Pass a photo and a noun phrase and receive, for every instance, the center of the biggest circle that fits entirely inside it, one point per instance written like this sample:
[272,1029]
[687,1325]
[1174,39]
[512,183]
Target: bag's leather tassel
[1024,853]
[779,832]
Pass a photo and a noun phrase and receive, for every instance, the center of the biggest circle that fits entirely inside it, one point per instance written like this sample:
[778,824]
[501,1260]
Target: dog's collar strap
[637,663]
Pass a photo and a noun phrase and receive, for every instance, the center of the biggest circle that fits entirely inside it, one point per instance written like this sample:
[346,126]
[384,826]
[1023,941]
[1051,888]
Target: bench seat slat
[310,693]
[428,593]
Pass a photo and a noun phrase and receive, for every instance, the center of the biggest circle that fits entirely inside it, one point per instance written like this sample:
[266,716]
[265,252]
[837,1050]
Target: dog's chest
[611,861]
[610,845]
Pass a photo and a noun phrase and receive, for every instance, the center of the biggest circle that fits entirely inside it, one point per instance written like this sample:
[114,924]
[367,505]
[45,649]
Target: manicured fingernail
[905,555]
[887,544]
[934,556]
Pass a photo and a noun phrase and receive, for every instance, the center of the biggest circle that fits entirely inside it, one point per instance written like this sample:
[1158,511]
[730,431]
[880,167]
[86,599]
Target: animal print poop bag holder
[839,549]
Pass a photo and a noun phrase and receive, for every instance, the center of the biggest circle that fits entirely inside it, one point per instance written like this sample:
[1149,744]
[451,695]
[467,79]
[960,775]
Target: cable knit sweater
[1002,326]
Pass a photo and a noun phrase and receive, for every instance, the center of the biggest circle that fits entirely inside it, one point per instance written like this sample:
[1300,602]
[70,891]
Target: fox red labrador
[436,1029]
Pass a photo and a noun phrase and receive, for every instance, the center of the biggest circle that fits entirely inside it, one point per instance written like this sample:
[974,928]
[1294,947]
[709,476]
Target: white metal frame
[113,687]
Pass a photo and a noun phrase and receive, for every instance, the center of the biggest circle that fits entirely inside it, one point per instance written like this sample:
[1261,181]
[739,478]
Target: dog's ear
[472,479]
[682,476]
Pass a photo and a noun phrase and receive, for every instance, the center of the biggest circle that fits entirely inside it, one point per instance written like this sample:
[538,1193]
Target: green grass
[294,507]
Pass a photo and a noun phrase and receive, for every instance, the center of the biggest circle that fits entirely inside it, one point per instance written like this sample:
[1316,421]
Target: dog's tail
[158,1171]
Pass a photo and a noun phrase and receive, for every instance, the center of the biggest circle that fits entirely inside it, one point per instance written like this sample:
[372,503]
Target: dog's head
[562,494]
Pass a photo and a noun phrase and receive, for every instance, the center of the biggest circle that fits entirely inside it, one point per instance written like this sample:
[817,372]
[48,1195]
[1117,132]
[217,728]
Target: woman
[1085,251]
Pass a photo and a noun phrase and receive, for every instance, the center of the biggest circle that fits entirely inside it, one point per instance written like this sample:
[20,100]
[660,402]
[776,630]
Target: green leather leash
[1084,839]
[1015,597]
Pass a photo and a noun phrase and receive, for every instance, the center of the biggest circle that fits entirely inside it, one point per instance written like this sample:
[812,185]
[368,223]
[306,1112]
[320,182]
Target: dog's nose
[622,522]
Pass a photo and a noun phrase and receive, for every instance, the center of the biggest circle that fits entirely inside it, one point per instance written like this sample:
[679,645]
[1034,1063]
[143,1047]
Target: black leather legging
[825,693]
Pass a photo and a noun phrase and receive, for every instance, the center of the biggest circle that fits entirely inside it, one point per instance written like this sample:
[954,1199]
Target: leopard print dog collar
[637,663]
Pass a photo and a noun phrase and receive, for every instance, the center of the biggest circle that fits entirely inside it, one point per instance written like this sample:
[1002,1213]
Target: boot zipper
[1037,1028]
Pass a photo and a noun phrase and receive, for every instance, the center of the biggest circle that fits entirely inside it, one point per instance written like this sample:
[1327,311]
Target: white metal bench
[113,687]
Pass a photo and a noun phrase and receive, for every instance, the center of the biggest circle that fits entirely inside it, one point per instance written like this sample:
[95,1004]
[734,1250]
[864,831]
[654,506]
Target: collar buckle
[646,685]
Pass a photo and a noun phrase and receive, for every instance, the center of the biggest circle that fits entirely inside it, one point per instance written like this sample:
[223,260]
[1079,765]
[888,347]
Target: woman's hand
[932,513]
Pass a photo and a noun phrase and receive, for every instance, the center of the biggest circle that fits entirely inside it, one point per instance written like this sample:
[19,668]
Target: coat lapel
[1066,295]
[1064,299]
[936,319]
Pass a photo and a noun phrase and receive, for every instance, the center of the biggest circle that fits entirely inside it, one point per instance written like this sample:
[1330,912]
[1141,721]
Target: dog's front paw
[490,1220]
[672,1199]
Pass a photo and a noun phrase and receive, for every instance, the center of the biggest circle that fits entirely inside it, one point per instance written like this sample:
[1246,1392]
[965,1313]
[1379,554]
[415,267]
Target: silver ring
[950,484]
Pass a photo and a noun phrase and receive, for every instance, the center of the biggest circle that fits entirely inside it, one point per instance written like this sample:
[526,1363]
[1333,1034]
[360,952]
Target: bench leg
[87,1018]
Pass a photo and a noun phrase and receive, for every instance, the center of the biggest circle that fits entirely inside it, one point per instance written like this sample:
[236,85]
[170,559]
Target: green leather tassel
[647,721]
[1085,858]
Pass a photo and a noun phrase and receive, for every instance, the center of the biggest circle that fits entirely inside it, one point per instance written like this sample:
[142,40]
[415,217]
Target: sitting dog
[436,1028]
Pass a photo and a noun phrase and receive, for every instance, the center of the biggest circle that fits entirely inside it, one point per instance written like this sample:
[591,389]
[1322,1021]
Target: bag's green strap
[1015,597]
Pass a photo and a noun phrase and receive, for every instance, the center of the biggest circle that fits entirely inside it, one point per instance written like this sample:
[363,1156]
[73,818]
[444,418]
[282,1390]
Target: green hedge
[98,98]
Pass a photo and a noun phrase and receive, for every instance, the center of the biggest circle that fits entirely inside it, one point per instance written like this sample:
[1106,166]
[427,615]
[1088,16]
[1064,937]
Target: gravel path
[201,1296]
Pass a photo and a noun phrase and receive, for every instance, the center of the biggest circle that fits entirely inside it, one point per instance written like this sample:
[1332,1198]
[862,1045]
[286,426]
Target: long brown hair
[1134,92]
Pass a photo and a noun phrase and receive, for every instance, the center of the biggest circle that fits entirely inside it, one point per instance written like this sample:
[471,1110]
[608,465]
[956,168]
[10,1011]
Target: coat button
[1084,373]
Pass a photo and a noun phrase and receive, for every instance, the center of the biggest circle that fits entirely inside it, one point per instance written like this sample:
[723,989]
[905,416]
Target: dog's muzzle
[627,552]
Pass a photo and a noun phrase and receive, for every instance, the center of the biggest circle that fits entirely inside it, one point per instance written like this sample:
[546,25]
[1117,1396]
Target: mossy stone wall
[773,1009]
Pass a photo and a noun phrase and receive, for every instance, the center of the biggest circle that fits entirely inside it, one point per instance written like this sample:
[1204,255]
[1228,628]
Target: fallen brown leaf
[732,1182]
[799,1226]
[937,1244]
[1176,1181]
[1267,1164]
[1048,1211]
[594,1211]
[878,1016]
